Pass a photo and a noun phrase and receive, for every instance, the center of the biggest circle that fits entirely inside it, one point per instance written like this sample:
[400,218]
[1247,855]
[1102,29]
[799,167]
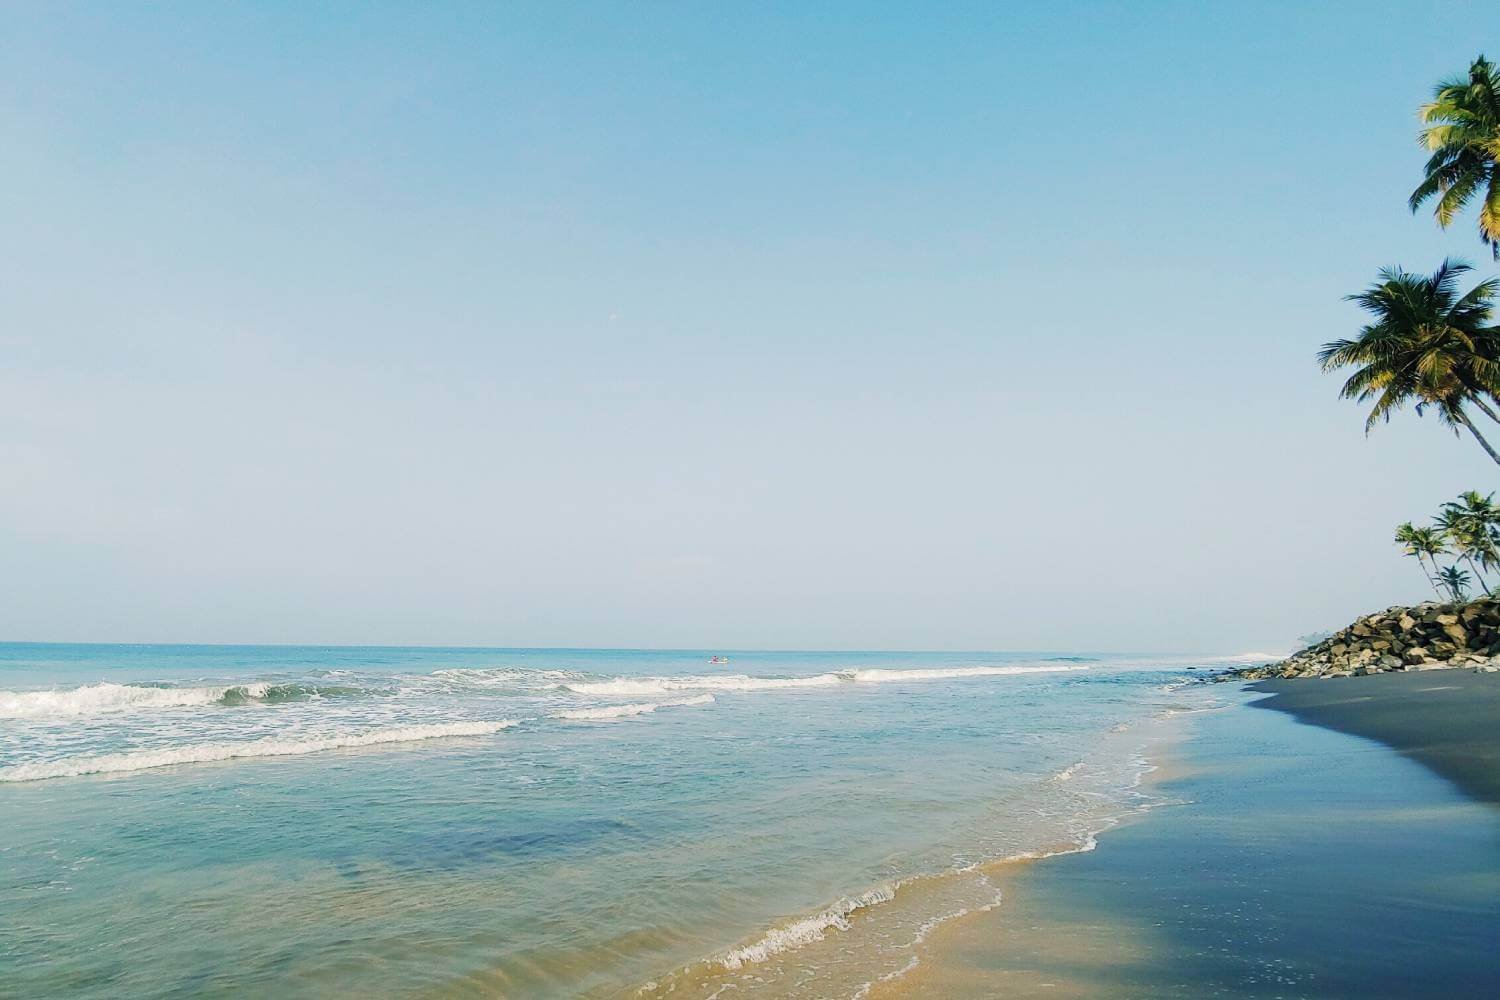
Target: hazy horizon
[1057,653]
[856,328]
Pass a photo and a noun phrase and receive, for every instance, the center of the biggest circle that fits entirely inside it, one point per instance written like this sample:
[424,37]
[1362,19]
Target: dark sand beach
[1448,720]
[1301,861]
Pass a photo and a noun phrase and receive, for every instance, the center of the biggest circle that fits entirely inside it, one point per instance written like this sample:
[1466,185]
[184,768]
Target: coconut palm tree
[1463,134]
[1471,522]
[1486,516]
[1468,541]
[1430,543]
[1456,580]
[1428,345]
[1421,543]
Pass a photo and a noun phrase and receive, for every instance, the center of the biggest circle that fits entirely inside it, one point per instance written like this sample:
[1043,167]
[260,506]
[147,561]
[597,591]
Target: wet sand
[1302,862]
[1448,720]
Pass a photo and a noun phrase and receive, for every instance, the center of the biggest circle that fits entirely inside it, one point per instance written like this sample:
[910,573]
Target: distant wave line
[745,682]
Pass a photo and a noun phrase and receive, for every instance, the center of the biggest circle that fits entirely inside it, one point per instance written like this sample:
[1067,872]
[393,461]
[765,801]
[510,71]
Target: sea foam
[623,711]
[108,697]
[744,682]
[808,929]
[139,760]
[882,676]
[726,682]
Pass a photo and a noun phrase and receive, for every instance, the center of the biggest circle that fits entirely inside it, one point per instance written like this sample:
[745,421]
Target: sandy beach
[1300,861]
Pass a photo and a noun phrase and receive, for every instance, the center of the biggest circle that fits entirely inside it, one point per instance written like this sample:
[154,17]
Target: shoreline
[1260,844]
[1453,728]
[936,969]
[910,911]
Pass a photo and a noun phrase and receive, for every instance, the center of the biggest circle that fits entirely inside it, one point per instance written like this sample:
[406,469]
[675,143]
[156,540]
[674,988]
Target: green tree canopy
[1463,134]
[1428,346]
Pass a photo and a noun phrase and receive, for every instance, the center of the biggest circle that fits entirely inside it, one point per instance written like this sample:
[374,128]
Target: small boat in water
[718,659]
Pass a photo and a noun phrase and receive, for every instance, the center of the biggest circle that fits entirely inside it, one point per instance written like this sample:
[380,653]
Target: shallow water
[322,821]
[1302,863]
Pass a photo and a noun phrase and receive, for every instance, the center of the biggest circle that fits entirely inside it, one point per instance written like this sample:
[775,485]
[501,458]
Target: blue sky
[871,326]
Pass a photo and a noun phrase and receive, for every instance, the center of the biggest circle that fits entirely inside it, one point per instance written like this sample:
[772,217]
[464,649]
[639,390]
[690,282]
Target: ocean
[331,821]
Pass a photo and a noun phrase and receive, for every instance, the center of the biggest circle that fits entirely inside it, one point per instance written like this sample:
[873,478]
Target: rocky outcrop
[1425,637]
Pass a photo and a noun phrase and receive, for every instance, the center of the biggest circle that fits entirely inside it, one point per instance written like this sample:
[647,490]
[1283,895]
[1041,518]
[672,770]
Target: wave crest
[744,682]
[107,696]
[140,760]
[808,929]
[622,711]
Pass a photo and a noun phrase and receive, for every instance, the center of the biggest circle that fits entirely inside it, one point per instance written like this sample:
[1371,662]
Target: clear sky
[978,326]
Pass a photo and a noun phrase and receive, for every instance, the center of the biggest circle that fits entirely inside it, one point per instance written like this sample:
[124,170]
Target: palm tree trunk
[1486,408]
[1432,580]
[1463,418]
[1478,576]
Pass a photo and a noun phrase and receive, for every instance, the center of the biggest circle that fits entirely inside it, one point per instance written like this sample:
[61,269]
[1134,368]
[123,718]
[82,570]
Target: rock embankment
[1425,637]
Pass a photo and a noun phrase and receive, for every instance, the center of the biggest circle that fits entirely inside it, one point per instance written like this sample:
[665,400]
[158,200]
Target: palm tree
[1459,529]
[1429,542]
[1420,542]
[1456,580]
[1463,134]
[1428,345]
[1470,521]
[1486,516]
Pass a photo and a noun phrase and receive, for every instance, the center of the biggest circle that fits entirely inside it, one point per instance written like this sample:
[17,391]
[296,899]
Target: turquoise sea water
[301,821]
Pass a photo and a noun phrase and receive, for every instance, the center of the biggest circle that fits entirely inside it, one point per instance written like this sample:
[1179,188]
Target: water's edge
[926,904]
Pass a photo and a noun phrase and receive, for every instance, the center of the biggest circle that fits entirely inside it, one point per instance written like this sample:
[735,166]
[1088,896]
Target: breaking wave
[141,725]
[744,682]
[951,673]
[808,929]
[94,699]
[140,760]
[728,682]
[503,678]
[108,697]
[622,711]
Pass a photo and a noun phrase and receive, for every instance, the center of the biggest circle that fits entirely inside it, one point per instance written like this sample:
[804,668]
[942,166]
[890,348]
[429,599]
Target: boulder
[1427,636]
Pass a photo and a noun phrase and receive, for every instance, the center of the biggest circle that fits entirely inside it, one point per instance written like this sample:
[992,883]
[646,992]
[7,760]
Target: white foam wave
[93,699]
[622,711]
[744,682]
[502,676]
[728,682]
[1066,774]
[139,760]
[953,673]
[808,929]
